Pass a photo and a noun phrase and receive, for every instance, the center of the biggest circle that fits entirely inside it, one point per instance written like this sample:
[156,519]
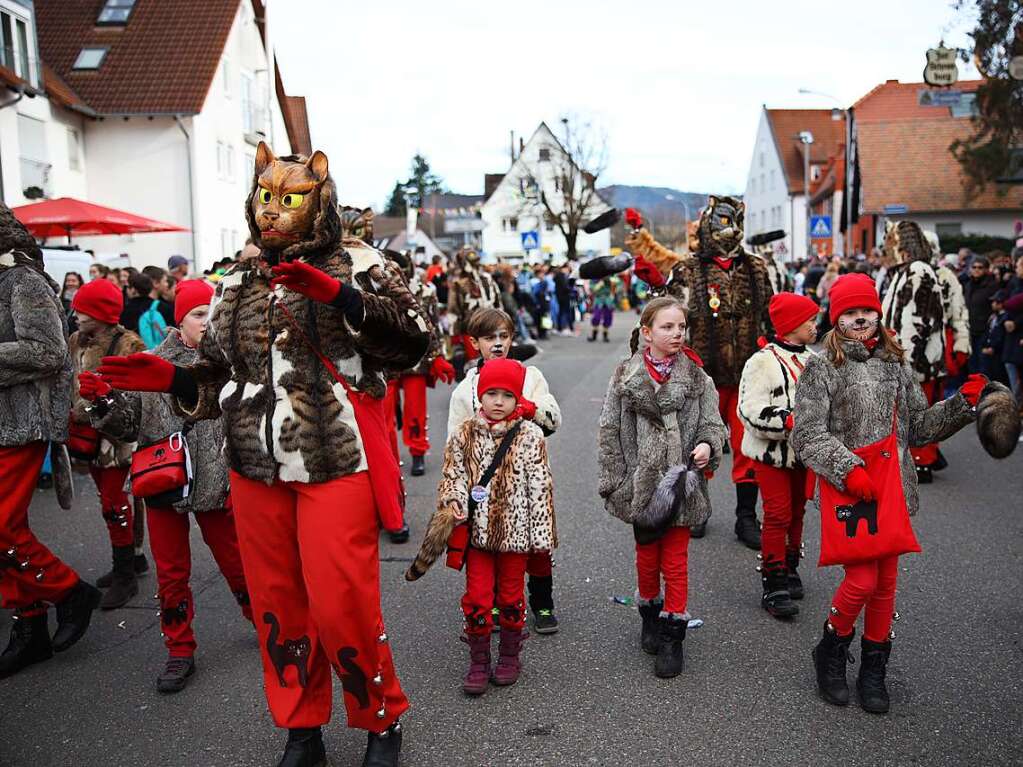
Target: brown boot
[125,584]
[478,675]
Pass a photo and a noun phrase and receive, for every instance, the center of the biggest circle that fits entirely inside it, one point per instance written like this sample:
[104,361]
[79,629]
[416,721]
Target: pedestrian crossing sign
[820,227]
[530,240]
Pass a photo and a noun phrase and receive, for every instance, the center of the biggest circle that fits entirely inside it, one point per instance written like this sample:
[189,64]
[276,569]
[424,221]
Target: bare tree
[564,192]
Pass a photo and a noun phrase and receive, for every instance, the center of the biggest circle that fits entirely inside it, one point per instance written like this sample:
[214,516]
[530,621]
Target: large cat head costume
[904,241]
[720,228]
[357,224]
[292,208]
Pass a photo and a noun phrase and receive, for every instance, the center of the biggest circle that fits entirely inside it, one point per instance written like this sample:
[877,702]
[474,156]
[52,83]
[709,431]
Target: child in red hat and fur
[767,394]
[509,517]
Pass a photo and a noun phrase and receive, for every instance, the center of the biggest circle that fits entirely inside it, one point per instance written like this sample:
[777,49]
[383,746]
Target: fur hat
[14,235]
[788,311]
[998,422]
[500,373]
[189,294]
[852,291]
[101,300]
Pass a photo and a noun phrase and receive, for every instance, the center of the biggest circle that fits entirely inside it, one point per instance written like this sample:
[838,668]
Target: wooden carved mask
[286,198]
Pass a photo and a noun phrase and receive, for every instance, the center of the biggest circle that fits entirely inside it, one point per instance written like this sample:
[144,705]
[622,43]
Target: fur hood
[842,408]
[646,430]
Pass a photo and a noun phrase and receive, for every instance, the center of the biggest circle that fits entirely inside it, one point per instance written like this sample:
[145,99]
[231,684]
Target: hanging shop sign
[941,69]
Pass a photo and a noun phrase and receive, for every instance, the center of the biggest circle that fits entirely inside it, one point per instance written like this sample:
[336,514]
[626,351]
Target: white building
[774,193]
[151,107]
[514,206]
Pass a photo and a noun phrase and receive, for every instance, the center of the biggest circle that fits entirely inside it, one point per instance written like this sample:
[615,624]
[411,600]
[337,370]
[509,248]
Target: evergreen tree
[421,178]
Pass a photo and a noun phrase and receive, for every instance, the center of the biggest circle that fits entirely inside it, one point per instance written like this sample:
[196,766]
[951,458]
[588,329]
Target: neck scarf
[659,369]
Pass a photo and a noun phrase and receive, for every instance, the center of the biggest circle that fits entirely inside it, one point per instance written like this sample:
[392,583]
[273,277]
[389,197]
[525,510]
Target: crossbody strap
[113,344]
[312,347]
[495,464]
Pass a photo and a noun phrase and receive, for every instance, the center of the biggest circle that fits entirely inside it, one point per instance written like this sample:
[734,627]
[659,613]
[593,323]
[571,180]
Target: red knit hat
[788,311]
[100,299]
[189,294]
[501,373]
[852,291]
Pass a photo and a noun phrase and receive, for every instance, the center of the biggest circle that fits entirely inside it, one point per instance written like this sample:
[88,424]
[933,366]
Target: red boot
[475,681]
[508,664]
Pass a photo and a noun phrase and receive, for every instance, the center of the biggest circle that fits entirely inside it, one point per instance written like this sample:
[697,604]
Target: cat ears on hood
[317,163]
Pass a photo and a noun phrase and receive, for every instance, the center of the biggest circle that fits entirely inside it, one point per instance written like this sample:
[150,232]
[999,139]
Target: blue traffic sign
[530,240]
[820,227]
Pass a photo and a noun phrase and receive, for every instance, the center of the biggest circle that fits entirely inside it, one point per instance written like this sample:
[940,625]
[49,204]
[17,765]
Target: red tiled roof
[61,92]
[161,62]
[296,118]
[907,162]
[893,100]
[786,124]
[10,77]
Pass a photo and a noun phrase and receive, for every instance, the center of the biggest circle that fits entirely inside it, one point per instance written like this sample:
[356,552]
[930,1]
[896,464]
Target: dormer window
[90,58]
[545,155]
[115,12]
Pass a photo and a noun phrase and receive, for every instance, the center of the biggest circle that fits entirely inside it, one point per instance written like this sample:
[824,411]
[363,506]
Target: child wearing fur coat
[660,433]
[767,393]
[509,518]
[490,333]
[859,410]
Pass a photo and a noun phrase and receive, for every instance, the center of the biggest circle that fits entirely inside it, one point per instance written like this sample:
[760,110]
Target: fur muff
[666,504]
[435,541]
[998,421]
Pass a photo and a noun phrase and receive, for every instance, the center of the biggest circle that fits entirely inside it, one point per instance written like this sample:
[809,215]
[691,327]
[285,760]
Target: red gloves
[307,280]
[972,388]
[858,483]
[137,372]
[647,272]
[633,218]
[525,409]
[789,422]
[442,370]
[91,387]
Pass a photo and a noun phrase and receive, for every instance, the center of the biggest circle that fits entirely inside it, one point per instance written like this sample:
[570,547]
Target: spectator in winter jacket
[978,291]
[993,343]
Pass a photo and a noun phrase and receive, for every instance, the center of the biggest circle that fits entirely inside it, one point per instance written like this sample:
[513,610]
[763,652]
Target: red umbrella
[68,216]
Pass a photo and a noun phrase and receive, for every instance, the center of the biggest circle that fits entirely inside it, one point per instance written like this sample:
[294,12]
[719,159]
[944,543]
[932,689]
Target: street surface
[588,695]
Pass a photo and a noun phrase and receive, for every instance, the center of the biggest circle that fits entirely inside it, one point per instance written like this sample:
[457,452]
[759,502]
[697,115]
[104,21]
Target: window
[761,159]
[73,152]
[22,48]
[548,222]
[225,243]
[948,229]
[34,160]
[225,161]
[225,72]
[115,12]
[763,183]
[815,172]
[545,155]
[772,180]
[14,45]
[90,58]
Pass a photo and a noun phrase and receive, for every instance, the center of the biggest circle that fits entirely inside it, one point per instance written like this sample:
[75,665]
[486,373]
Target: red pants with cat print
[30,575]
[117,511]
[312,564]
[168,540]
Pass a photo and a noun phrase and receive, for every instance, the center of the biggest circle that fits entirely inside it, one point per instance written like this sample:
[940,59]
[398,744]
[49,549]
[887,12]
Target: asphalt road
[588,695]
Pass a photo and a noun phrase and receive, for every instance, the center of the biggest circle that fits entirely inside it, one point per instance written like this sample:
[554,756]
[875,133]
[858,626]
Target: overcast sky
[677,86]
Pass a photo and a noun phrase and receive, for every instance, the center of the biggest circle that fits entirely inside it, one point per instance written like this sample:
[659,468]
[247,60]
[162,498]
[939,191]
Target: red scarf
[724,263]
[660,369]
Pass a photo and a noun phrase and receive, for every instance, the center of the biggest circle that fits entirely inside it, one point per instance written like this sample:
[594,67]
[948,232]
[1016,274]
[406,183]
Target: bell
[760,556]
[891,635]
[381,713]
[382,638]
[39,576]
[829,627]
[834,610]
[12,552]
[896,616]
[378,680]
[758,568]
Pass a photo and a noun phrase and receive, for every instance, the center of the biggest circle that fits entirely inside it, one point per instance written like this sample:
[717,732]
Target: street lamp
[806,138]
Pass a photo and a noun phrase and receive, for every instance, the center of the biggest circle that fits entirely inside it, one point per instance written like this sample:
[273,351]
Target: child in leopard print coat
[511,517]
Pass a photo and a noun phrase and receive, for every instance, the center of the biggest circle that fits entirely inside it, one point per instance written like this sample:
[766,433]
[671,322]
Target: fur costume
[425,295]
[471,289]
[767,394]
[644,432]
[86,354]
[147,417]
[726,308]
[998,420]
[518,513]
[465,401]
[840,409]
[35,369]
[284,416]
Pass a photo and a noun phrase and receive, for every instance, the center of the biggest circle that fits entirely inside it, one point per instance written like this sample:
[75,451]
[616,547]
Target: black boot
[698,531]
[924,476]
[418,465]
[870,682]
[593,336]
[30,643]
[829,659]
[747,529]
[383,749]
[73,615]
[650,637]
[541,604]
[304,749]
[125,584]
[795,583]
[400,535]
[940,463]
[141,567]
[606,339]
[776,599]
[175,674]
[669,661]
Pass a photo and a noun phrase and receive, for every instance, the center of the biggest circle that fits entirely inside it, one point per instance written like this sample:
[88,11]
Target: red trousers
[784,494]
[168,540]
[869,585]
[668,557]
[30,574]
[391,415]
[728,403]
[928,454]
[485,570]
[113,503]
[414,420]
[312,564]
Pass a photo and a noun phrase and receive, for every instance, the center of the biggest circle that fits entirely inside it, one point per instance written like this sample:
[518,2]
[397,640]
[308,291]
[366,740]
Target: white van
[59,261]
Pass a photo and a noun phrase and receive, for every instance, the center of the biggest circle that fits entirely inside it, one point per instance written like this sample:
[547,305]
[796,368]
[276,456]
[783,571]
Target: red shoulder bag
[161,472]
